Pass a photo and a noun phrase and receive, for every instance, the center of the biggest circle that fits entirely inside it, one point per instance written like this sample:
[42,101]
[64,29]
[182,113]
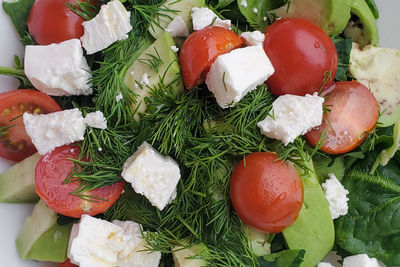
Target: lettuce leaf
[286,258]
[343,48]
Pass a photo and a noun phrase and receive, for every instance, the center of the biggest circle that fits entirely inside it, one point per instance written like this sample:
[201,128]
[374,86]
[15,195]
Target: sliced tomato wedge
[67,263]
[50,173]
[15,144]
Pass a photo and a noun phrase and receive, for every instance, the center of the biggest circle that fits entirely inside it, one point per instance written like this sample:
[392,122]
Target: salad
[209,221]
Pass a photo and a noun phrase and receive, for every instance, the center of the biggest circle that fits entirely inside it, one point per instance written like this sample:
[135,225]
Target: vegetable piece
[266,193]
[67,263]
[17,184]
[352,114]
[285,258]
[343,48]
[51,171]
[301,67]
[201,49]
[15,144]
[372,225]
[51,21]
[255,11]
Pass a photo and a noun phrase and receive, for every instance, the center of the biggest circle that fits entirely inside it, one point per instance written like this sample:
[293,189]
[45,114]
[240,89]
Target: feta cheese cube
[203,17]
[134,248]
[253,38]
[96,120]
[336,195]
[292,116]
[152,175]
[95,243]
[110,25]
[361,260]
[58,69]
[235,74]
[52,130]
[178,28]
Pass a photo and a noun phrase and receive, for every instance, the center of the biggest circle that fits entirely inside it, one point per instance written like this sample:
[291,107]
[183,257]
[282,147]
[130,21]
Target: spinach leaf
[325,164]
[372,225]
[19,12]
[286,258]
[343,48]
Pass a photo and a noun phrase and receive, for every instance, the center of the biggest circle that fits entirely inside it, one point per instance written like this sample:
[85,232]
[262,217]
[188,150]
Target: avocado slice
[41,238]
[331,15]
[313,230]
[177,8]
[158,63]
[362,26]
[17,184]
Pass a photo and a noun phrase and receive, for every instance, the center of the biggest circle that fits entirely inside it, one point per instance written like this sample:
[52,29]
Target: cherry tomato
[51,21]
[15,144]
[353,112]
[303,55]
[201,49]
[67,263]
[266,192]
[50,173]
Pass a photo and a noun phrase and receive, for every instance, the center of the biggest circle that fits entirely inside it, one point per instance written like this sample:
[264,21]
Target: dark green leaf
[343,48]
[286,258]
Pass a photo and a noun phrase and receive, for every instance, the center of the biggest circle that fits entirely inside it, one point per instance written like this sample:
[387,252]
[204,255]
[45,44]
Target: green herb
[286,258]
[18,73]
[85,9]
[343,48]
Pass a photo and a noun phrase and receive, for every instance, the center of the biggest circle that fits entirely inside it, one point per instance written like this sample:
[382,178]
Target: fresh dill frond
[85,9]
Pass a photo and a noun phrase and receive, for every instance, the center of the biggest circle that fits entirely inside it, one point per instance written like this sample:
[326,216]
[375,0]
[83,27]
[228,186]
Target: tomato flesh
[266,193]
[50,173]
[303,55]
[51,21]
[15,144]
[353,112]
[67,263]
[201,49]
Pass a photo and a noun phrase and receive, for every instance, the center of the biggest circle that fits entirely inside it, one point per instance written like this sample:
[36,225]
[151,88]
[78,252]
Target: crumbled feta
[336,195]
[178,28]
[361,260]
[255,10]
[174,49]
[203,17]
[145,79]
[58,69]
[253,38]
[118,97]
[243,3]
[96,120]
[324,264]
[235,74]
[48,131]
[152,175]
[134,248]
[292,116]
[264,18]
[111,24]
[95,243]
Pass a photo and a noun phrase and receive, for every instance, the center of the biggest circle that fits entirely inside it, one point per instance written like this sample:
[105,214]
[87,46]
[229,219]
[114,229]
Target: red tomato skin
[13,104]
[201,49]
[67,263]
[302,55]
[50,173]
[353,114]
[50,21]
[266,193]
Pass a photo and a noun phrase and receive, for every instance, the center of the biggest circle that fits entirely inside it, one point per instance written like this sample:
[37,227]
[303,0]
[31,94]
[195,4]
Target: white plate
[13,215]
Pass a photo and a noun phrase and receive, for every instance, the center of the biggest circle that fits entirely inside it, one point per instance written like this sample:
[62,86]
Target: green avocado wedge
[313,230]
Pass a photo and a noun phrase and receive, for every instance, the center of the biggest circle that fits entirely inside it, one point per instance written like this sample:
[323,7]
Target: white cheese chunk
[58,69]
[96,120]
[174,48]
[336,195]
[111,24]
[178,28]
[253,38]
[292,116]
[118,97]
[203,17]
[243,3]
[324,264]
[52,130]
[235,74]
[95,243]
[152,175]
[134,248]
[361,260]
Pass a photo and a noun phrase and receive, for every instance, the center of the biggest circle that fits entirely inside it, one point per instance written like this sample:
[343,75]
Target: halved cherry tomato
[15,144]
[201,49]
[303,55]
[67,263]
[51,21]
[353,112]
[266,192]
[50,173]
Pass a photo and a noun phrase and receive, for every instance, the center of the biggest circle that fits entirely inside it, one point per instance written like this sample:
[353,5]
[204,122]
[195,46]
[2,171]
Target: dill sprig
[85,9]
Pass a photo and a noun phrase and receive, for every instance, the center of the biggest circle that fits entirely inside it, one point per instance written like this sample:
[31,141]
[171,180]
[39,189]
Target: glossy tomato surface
[352,112]
[266,193]
[50,173]
[303,55]
[201,49]
[51,21]
[67,263]
[15,144]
